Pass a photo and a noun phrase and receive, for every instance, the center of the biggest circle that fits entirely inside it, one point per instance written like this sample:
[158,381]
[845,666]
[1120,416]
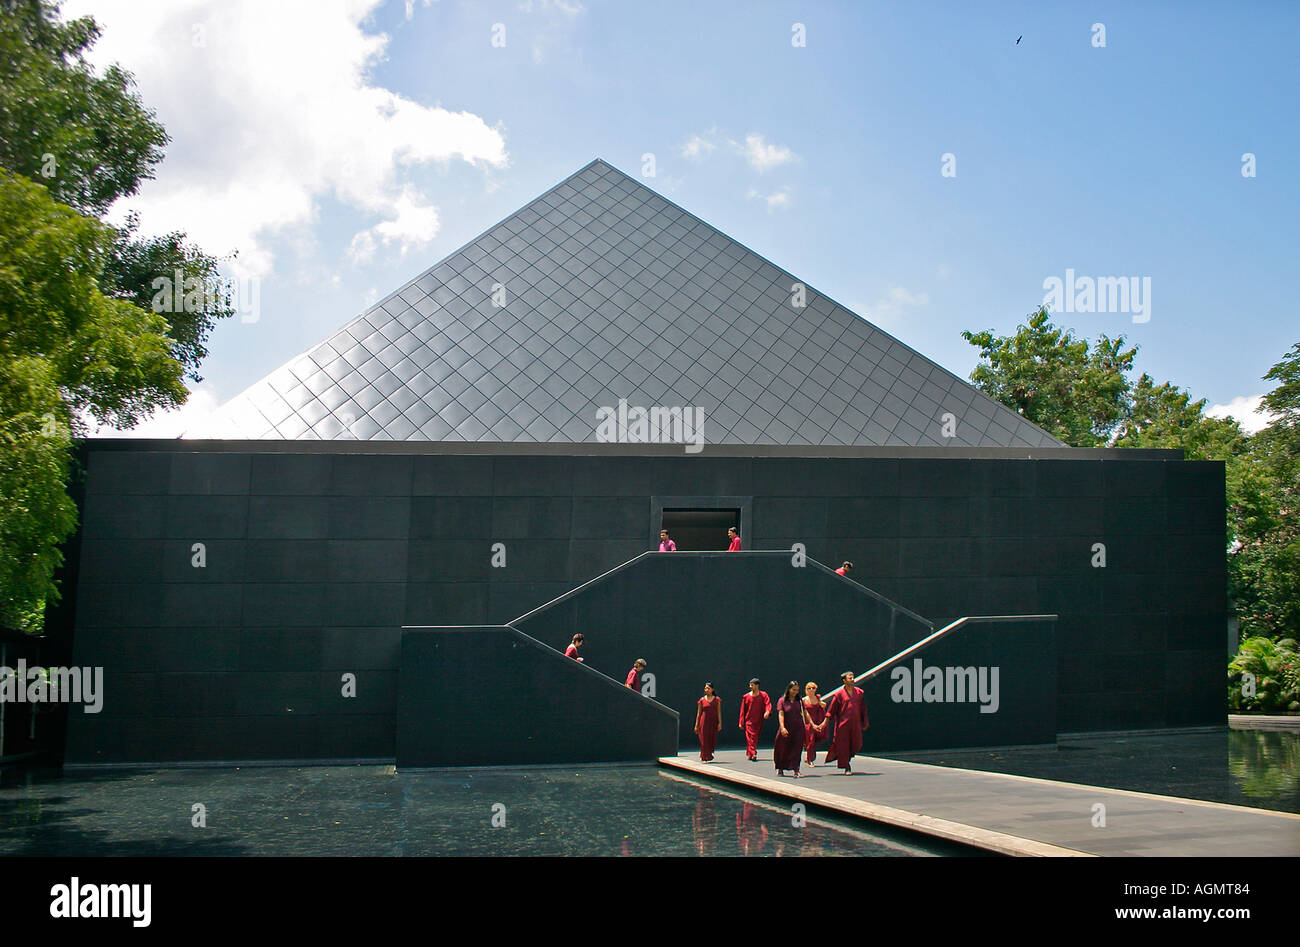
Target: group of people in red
[667,545]
[802,723]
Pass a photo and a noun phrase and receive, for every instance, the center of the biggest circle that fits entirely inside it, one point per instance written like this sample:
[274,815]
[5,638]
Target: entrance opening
[700,530]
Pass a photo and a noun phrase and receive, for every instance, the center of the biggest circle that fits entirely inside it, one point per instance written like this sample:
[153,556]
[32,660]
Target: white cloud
[891,305]
[197,411]
[551,33]
[415,224]
[774,200]
[698,147]
[410,8]
[567,7]
[1246,409]
[270,109]
[762,156]
[755,149]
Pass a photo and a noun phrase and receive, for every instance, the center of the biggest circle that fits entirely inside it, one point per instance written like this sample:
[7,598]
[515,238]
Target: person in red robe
[816,733]
[847,713]
[735,539]
[755,707]
[708,721]
[792,723]
[634,676]
[572,650]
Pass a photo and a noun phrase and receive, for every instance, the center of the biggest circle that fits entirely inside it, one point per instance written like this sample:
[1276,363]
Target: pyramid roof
[601,290]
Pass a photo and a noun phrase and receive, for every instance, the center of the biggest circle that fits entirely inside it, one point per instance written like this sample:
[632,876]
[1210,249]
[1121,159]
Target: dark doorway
[700,530]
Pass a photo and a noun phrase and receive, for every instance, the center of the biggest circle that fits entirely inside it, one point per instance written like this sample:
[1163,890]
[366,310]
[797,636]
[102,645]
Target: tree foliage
[84,136]
[79,337]
[65,349]
[90,141]
[1165,416]
[134,266]
[1074,391]
[1264,513]
[1081,393]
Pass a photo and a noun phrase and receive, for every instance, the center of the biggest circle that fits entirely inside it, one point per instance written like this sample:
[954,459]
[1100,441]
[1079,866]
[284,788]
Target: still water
[373,810]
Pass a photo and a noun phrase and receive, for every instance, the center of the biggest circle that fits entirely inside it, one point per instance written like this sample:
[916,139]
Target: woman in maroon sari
[816,733]
[708,721]
[793,722]
[847,713]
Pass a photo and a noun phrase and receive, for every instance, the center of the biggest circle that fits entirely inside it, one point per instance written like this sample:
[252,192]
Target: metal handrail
[721,552]
[946,629]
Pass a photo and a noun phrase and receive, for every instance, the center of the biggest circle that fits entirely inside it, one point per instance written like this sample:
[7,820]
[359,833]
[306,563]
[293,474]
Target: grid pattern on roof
[601,290]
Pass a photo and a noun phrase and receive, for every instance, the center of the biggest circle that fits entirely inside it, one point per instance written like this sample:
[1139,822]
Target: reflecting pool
[374,810]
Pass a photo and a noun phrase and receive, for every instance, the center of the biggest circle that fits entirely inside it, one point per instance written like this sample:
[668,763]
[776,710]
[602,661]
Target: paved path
[1263,722]
[1016,815]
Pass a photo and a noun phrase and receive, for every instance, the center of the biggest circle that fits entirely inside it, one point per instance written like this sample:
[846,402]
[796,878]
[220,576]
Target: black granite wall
[726,618]
[491,696]
[1013,699]
[317,554]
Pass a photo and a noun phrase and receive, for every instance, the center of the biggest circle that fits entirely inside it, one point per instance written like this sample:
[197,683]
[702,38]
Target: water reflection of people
[751,833]
[704,823]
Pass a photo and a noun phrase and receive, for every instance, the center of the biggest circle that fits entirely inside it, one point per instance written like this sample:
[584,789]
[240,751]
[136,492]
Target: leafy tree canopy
[65,349]
[1081,393]
[85,137]
[90,141]
[1074,391]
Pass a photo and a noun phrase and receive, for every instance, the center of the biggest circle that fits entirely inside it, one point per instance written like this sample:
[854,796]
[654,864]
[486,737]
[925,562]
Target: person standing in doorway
[666,544]
[755,707]
[735,539]
[572,650]
[634,676]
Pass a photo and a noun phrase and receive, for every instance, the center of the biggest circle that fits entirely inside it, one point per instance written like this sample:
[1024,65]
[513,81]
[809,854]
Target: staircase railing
[935,636]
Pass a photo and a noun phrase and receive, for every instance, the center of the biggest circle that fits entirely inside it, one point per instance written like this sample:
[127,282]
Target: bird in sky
[1019,38]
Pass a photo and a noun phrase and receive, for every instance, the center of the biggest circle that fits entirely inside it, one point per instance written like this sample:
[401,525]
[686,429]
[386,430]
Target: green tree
[1165,416]
[66,350]
[1082,395]
[79,334]
[136,263]
[1076,392]
[1264,514]
[88,138]
[85,137]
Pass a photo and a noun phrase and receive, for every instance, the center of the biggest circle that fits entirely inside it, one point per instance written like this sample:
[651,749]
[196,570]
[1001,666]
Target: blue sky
[1115,161]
